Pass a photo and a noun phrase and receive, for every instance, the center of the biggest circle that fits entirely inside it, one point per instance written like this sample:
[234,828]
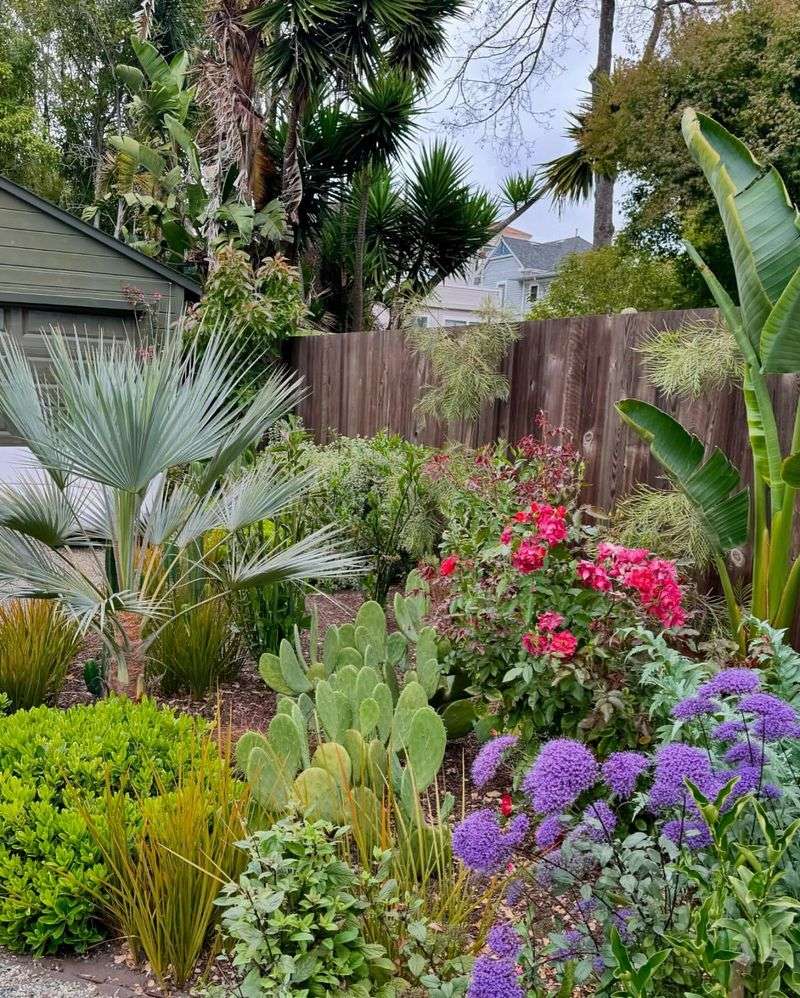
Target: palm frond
[38,508]
[260,494]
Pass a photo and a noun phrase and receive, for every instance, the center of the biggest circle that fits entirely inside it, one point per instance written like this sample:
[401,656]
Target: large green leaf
[138,153]
[153,63]
[760,222]
[780,338]
[713,485]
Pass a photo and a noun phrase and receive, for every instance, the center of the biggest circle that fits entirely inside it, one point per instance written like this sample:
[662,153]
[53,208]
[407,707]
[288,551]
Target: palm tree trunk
[291,175]
[357,302]
[604,186]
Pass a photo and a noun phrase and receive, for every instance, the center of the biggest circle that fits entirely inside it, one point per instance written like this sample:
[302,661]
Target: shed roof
[116,245]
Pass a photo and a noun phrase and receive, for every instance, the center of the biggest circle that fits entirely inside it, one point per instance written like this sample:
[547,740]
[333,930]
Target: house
[57,271]
[455,302]
[520,270]
[510,272]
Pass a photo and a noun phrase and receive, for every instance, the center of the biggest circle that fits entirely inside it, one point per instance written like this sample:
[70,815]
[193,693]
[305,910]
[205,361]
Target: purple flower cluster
[599,822]
[728,731]
[730,682]
[487,761]
[621,771]
[693,707]
[776,718]
[494,977]
[691,834]
[504,940]
[549,831]
[676,763]
[482,845]
[574,941]
[563,770]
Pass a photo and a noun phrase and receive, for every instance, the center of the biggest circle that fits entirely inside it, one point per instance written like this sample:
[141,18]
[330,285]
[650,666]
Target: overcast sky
[561,94]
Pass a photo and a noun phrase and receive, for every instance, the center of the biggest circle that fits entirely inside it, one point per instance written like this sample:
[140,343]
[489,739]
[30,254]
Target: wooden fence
[572,369]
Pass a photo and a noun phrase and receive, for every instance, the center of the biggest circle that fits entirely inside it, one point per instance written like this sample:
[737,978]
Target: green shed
[56,270]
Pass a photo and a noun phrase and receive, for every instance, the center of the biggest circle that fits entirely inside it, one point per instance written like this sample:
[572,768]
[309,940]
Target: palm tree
[110,429]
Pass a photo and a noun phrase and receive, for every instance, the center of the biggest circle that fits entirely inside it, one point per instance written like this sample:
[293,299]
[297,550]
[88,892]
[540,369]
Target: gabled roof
[109,242]
[544,256]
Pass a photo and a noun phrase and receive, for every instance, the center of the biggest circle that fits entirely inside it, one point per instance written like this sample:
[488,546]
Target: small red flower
[563,644]
[449,565]
[505,537]
[549,620]
[506,806]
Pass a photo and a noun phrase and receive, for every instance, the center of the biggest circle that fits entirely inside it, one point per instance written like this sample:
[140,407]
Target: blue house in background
[521,270]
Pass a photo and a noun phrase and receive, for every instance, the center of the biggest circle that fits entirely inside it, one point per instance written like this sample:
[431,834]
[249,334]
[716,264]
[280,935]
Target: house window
[421,321]
[501,287]
[533,293]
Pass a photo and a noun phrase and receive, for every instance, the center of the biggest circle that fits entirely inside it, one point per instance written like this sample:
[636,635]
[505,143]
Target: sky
[561,94]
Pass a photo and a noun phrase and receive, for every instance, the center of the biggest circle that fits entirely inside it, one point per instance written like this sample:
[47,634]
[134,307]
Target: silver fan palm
[108,424]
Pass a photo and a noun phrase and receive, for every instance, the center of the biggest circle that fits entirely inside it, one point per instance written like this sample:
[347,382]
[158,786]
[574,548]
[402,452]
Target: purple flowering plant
[628,896]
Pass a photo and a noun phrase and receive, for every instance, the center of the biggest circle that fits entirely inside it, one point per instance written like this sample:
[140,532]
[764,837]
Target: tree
[611,279]
[740,67]
[26,156]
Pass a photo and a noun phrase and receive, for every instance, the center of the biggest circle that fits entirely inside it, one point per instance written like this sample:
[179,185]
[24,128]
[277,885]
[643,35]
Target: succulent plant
[328,674]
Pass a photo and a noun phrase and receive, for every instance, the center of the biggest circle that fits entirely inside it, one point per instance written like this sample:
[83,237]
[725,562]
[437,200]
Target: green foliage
[198,647]
[608,280]
[763,326]
[466,366]
[738,66]
[664,521]
[55,766]
[698,357]
[260,306]
[293,919]
[37,644]
[165,863]
[376,491]
[26,155]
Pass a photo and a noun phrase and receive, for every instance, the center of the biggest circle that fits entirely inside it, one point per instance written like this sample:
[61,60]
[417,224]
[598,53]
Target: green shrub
[293,921]
[198,647]
[55,766]
[37,644]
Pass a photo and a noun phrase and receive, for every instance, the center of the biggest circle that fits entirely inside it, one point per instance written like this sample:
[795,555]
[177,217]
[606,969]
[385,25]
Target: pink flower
[549,620]
[506,806]
[534,644]
[523,516]
[529,556]
[563,644]
[551,522]
[507,534]
[594,576]
[449,565]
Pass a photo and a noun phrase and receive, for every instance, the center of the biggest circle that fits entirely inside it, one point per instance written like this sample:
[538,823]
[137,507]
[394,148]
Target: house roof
[544,256]
[110,242]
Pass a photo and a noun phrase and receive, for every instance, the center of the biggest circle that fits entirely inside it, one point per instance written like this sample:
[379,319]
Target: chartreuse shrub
[56,768]
[37,644]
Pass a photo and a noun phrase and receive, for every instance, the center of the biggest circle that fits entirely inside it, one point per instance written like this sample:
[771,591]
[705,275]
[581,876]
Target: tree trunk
[357,301]
[604,186]
[291,175]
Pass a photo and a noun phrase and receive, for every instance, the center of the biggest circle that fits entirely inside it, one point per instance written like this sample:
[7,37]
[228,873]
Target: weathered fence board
[572,369]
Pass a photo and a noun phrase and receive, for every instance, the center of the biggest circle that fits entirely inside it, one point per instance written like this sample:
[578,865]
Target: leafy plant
[55,767]
[292,922]
[466,366]
[166,860]
[688,362]
[665,521]
[763,328]
[125,420]
[367,642]
[37,644]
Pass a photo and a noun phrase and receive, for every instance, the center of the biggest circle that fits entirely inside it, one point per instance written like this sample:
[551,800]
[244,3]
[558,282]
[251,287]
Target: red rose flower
[506,806]
[449,565]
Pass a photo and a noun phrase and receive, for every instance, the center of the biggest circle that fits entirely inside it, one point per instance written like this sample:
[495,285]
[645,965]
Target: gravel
[26,980]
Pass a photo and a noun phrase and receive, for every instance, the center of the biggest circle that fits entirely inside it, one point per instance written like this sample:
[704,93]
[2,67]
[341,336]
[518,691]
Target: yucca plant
[763,232]
[109,427]
[37,644]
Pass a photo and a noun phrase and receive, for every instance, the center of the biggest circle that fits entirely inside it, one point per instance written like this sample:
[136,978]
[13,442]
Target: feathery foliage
[465,364]
[690,361]
[666,522]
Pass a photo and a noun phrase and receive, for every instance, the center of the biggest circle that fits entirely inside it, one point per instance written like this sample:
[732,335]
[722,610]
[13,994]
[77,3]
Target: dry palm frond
[692,360]
[666,522]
